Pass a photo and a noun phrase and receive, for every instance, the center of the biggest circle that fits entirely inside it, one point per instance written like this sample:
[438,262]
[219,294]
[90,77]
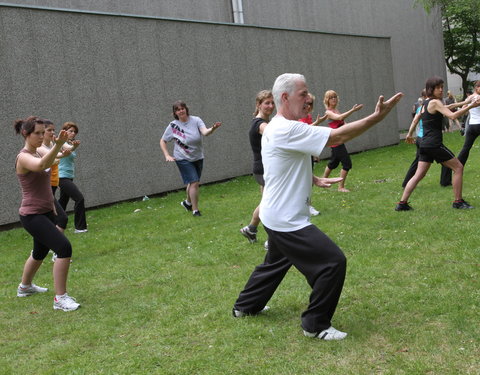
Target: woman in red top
[37,212]
[339,152]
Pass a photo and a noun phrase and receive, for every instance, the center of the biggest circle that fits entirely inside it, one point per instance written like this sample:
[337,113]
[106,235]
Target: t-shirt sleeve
[168,133]
[308,139]
[256,125]
[200,123]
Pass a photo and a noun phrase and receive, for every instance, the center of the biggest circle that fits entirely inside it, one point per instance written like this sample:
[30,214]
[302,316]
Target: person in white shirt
[287,146]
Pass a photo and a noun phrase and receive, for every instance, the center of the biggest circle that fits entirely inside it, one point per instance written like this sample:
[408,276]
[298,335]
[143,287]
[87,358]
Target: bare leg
[60,274]
[457,180]
[30,269]
[192,194]
[341,184]
[327,172]
[422,170]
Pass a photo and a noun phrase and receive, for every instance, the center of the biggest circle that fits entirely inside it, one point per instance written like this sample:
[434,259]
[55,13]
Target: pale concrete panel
[117,77]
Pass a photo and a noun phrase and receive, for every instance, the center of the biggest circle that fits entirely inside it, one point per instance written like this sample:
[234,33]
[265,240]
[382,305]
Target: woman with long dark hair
[37,212]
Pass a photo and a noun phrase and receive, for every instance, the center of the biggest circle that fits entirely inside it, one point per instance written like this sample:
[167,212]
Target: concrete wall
[416,38]
[117,77]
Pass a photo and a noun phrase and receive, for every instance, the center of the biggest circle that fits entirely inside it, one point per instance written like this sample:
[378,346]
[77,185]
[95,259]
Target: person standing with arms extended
[264,107]
[473,129]
[431,144]
[68,189]
[287,147]
[339,152]
[37,212]
[187,132]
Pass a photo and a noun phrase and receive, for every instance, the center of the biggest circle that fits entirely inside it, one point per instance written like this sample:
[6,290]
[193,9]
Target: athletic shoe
[81,231]
[54,257]
[265,245]
[313,211]
[184,204]
[65,303]
[328,334]
[461,205]
[241,314]
[28,291]
[403,206]
[251,236]
[197,213]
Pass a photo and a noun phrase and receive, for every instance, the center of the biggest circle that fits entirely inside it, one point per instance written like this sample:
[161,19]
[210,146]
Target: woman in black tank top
[431,145]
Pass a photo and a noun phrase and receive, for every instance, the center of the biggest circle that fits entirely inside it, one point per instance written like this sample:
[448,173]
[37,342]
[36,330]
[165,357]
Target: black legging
[61,219]
[46,236]
[473,131]
[69,190]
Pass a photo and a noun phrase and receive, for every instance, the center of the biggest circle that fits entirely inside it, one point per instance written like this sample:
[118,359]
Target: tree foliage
[461,33]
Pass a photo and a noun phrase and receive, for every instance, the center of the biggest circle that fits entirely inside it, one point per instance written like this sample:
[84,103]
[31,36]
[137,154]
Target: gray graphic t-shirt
[187,137]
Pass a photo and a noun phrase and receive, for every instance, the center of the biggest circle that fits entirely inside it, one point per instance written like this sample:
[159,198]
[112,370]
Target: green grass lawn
[157,286]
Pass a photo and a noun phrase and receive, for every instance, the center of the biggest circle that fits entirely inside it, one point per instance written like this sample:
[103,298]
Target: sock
[25,286]
[187,202]
[57,297]
[252,228]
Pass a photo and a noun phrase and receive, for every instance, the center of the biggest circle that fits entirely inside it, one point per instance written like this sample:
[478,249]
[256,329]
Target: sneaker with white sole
[328,334]
[313,211]
[265,245]
[241,314]
[81,231]
[186,205]
[65,303]
[251,236]
[28,291]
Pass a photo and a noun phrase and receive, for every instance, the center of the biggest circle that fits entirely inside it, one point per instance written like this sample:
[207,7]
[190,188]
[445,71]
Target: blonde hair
[328,95]
[261,97]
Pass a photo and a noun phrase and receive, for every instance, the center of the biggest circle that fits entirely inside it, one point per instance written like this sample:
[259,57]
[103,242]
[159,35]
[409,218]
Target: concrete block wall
[117,77]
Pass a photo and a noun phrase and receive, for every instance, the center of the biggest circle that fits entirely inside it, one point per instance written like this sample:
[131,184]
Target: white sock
[57,297]
[25,286]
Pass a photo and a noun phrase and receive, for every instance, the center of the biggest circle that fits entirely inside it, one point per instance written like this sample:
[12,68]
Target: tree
[461,34]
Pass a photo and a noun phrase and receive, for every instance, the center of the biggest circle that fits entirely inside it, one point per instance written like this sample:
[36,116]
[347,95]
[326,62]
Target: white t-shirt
[287,147]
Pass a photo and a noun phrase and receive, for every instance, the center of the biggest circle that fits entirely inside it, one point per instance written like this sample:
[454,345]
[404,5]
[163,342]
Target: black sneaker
[185,205]
[403,206]
[197,213]
[251,236]
[461,205]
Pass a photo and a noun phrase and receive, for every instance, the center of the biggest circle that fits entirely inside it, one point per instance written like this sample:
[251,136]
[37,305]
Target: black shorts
[439,154]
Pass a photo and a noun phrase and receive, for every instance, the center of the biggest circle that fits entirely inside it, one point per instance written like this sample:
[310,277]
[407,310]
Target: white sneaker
[54,257]
[241,314]
[65,303]
[265,245]
[328,334]
[28,291]
[81,231]
[313,211]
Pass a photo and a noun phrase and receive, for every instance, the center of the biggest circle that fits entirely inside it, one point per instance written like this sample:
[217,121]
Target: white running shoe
[65,303]
[265,245]
[328,334]
[81,231]
[28,291]
[313,211]
[241,314]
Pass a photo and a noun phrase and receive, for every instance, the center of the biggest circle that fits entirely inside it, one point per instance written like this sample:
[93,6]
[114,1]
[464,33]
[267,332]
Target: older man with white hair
[287,146]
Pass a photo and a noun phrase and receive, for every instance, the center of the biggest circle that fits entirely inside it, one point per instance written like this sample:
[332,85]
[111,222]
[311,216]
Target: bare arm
[29,163]
[354,129]
[163,146]
[320,119]
[437,105]
[413,126]
[342,116]
[206,132]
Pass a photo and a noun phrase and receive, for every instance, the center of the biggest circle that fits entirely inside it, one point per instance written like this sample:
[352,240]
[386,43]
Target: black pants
[473,131]
[316,256]
[340,154]
[69,190]
[46,236]
[61,218]
[445,174]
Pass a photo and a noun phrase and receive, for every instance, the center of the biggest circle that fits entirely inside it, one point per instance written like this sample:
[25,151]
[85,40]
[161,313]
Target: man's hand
[325,182]
[384,107]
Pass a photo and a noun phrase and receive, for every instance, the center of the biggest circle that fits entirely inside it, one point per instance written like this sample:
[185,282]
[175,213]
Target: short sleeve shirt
[256,144]
[187,137]
[287,147]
